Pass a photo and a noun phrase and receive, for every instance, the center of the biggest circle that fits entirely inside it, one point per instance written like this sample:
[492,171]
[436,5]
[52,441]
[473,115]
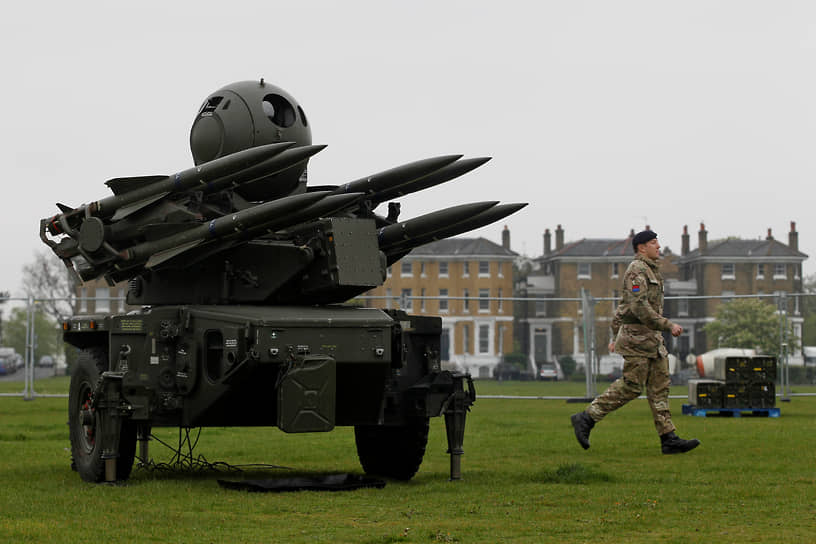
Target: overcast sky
[604,116]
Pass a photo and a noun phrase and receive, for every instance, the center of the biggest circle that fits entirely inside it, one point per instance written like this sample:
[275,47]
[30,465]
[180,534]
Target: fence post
[588,314]
[28,360]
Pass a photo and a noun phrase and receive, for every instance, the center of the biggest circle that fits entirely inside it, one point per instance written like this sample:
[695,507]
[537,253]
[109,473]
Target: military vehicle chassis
[301,369]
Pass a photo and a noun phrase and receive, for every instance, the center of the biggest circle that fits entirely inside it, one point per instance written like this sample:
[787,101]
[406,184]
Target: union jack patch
[635,288]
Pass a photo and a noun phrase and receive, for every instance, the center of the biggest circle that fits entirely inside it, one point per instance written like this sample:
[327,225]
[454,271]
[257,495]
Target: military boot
[671,443]
[582,423]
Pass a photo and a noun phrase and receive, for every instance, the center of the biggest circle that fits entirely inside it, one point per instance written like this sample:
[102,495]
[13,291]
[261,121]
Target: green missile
[396,252]
[396,176]
[131,194]
[155,252]
[446,173]
[427,224]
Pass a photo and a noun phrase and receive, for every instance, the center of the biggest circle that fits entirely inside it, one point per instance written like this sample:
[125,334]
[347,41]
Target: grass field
[525,479]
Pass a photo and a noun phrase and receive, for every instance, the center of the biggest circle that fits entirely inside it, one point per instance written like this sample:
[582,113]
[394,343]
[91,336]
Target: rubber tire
[86,450]
[392,452]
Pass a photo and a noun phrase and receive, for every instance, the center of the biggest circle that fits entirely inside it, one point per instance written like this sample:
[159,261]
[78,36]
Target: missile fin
[63,208]
[124,211]
[162,256]
[120,186]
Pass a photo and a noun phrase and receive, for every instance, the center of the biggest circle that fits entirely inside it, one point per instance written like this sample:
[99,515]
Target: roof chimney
[684,244]
[547,241]
[559,238]
[793,237]
[770,236]
[702,239]
[506,238]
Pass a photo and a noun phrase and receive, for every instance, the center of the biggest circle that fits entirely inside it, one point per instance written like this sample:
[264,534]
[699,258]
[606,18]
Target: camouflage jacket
[639,320]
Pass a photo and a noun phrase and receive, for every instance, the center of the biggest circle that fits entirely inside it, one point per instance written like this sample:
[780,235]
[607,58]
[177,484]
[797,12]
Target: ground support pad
[730,412]
[331,482]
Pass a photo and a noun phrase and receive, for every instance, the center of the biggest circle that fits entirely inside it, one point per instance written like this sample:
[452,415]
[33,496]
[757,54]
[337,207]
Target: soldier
[637,327]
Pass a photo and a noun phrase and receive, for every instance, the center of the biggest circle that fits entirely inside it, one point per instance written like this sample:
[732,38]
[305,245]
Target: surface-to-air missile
[239,267]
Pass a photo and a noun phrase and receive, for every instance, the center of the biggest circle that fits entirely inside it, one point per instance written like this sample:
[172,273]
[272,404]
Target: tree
[47,334]
[48,280]
[750,324]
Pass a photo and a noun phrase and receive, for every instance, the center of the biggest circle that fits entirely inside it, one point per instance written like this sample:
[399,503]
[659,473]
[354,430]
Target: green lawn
[525,479]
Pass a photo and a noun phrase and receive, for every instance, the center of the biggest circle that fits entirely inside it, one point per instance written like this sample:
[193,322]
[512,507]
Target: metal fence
[586,319]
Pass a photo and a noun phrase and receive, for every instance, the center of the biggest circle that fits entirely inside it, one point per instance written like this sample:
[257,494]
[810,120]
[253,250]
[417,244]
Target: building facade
[465,282]
[696,281]
[719,269]
[97,297]
[552,325]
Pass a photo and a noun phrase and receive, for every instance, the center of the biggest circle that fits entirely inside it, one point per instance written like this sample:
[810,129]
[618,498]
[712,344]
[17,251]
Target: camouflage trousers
[639,372]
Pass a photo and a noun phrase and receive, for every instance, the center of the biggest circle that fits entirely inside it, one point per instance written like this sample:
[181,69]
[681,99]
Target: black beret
[642,237]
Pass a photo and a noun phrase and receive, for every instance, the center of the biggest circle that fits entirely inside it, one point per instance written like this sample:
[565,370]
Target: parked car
[46,361]
[548,371]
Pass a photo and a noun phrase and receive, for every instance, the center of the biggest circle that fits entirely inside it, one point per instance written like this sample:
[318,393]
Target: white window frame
[483,333]
[484,274]
[102,299]
[405,295]
[728,275]
[777,275]
[683,306]
[587,274]
[484,296]
[443,301]
[465,269]
[615,270]
[446,266]
[760,275]
[410,266]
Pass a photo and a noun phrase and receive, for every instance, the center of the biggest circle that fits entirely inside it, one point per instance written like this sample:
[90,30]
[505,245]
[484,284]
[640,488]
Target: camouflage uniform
[637,327]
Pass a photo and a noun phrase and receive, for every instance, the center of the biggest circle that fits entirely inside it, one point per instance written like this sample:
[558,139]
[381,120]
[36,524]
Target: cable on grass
[184,461]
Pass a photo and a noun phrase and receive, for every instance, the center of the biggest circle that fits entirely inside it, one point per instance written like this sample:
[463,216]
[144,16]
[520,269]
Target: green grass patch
[525,479]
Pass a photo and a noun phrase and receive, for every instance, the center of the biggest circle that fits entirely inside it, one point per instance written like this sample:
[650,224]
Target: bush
[568,365]
[516,359]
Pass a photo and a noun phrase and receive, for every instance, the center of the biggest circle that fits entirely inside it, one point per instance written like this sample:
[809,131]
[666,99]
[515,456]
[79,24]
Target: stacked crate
[740,382]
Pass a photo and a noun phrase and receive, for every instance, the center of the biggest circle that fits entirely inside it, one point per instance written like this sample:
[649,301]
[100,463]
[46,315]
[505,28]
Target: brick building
[553,327]
[732,266]
[462,280]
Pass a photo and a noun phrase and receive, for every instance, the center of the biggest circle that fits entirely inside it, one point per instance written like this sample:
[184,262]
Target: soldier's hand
[676,330]
[611,347]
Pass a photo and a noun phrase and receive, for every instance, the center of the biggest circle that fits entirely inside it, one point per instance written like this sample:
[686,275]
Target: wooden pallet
[730,412]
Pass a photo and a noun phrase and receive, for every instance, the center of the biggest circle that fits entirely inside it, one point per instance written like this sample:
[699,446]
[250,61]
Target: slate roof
[463,246]
[733,247]
[594,247]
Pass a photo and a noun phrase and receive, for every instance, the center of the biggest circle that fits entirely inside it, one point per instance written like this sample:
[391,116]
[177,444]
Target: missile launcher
[241,267]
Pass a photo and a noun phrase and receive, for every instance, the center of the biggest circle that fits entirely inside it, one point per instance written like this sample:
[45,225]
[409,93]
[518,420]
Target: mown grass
[525,480]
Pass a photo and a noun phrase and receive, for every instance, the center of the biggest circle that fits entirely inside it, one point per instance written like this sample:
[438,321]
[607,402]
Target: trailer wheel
[83,422]
[395,451]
